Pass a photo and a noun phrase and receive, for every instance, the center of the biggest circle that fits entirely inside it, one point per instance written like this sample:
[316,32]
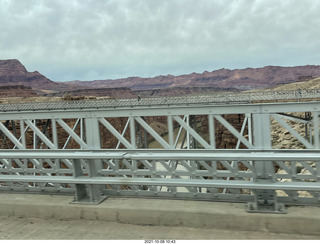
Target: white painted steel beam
[23,135]
[316,130]
[182,154]
[54,133]
[212,136]
[132,131]
[170,131]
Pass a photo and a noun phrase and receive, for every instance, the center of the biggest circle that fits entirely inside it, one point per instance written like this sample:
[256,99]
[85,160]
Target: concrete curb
[210,215]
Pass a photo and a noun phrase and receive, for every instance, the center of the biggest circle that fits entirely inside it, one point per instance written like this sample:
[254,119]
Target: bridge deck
[237,98]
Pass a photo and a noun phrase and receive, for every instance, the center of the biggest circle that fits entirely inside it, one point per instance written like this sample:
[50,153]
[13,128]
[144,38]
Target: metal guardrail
[244,97]
[190,174]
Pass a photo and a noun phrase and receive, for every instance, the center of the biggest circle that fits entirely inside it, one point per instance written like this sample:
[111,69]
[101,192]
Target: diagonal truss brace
[16,142]
[192,132]
[72,134]
[115,133]
[152,132]
[292,131]
[40,134]
[238,135]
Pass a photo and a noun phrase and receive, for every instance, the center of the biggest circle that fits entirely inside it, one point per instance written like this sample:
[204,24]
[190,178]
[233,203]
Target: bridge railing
[225,175]
[99,148]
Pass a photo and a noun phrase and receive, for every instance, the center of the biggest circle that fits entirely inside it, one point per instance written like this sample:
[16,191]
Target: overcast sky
[107,39]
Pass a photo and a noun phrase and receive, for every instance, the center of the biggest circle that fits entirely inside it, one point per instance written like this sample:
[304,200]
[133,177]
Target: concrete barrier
[159,212]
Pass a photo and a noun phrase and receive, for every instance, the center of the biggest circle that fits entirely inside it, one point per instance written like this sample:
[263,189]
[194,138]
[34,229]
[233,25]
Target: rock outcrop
[12,72]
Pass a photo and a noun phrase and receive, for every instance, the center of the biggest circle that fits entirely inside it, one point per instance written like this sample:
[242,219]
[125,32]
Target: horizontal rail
[221,174]
[235,184]
[175,154]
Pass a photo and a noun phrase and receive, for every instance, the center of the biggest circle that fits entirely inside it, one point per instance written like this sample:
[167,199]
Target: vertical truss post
[265,200]
[248,115]
[23,135]
[316,130]
[170,131]
[188,133]
[81,131]
[35,140]
[142,138]
[132,132]
[139,136]
[212,131]
[193,125]
[13,124]
[145,136]
[307,126]
[54,133]
[94,192]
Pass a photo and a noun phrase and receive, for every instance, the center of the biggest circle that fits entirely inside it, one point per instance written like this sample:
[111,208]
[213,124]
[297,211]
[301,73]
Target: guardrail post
[80,189]
[90,194]
[265,201]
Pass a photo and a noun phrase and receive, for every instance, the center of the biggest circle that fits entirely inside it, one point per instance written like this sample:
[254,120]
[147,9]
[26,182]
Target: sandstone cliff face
[16,81]
[12,72]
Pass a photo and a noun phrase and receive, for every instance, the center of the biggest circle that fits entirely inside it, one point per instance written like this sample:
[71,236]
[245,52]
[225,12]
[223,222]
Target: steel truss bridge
[99,148]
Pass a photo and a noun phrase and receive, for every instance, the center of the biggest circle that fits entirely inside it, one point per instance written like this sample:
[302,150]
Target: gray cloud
[91,39]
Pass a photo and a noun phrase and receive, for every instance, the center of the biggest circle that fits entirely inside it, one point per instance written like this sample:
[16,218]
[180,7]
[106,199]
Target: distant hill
[240,79]
[310,84]
[13,75]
